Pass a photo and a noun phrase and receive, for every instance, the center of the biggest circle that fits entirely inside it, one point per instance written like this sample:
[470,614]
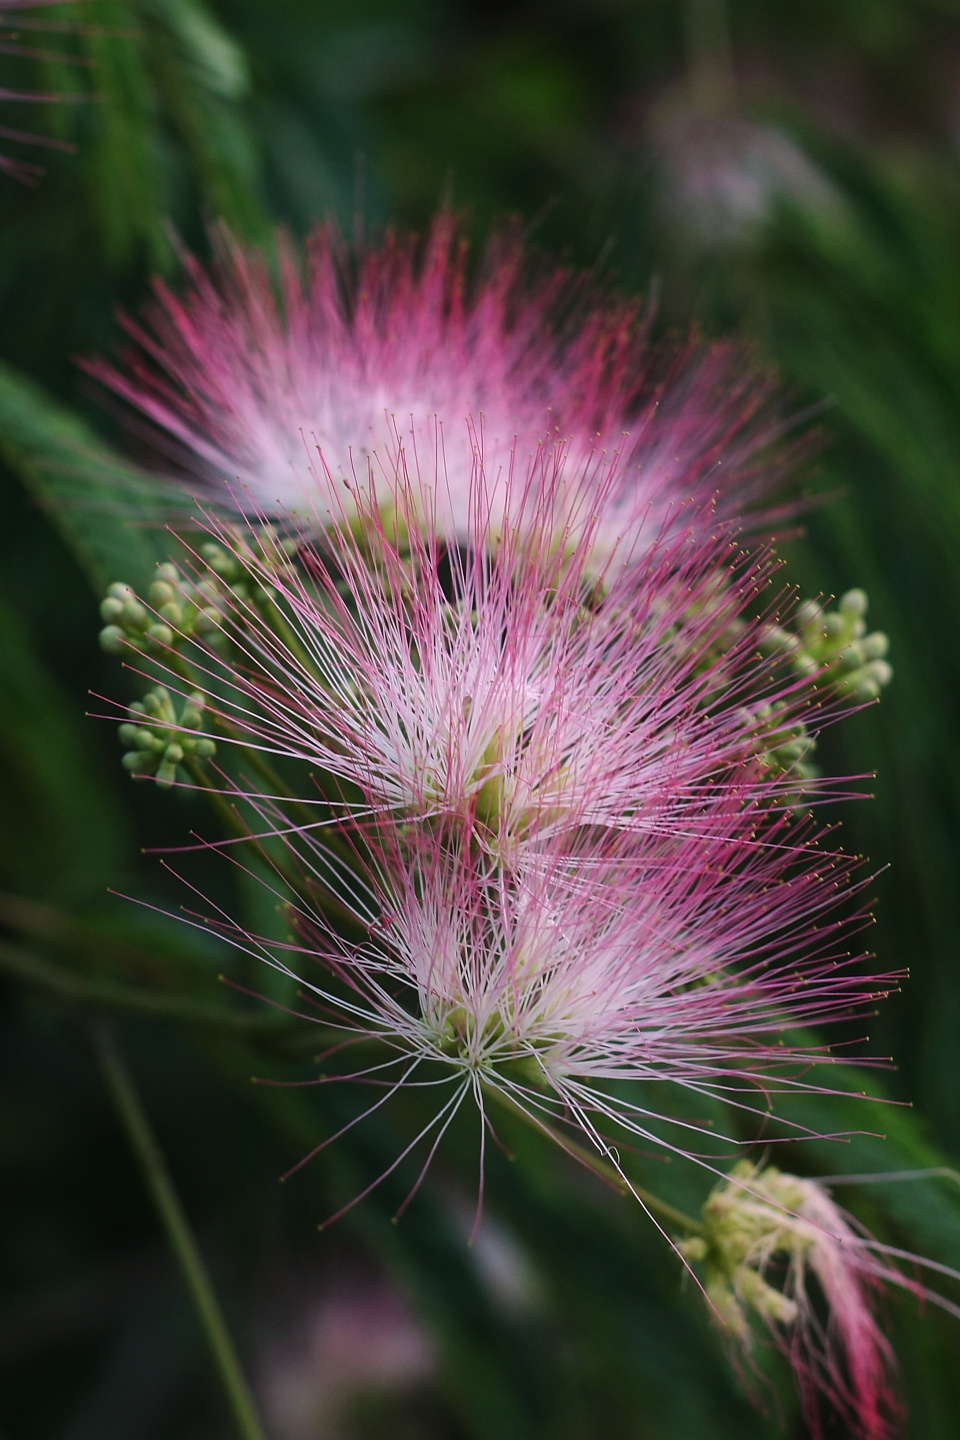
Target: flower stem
[71,988]
[144,1144]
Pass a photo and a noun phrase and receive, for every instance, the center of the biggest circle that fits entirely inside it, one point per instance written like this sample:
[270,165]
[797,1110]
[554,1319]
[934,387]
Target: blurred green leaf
[110,514]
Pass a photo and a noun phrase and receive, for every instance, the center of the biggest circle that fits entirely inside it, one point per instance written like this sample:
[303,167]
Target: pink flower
[542,856]
[401,352]
[670,964]
[511,691]
[571,863]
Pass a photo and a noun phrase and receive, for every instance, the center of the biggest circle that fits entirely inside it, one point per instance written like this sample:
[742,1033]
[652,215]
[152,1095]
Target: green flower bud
[208,619]
[221,562]
[161,635]
[875,646]
[161,592]
[854,604]
[809,615]
[111,609]
[134,614]
[850,659]
[113,640]
[166,775]
[138,761]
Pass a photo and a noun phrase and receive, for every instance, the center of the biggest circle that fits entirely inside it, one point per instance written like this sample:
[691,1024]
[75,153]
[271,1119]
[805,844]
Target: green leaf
[125,153]
[110,514]
[201,75]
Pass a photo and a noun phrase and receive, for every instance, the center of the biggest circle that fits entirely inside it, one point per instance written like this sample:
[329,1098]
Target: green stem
[144,1144]
[601,1166]
[72,989]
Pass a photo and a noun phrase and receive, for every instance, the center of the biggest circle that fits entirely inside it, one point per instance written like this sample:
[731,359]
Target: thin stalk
[600,1166]
[72,936]
[144,1144]
[72,989]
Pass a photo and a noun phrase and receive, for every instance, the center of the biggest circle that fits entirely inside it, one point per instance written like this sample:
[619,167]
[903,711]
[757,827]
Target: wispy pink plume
[562,841]
[405,344]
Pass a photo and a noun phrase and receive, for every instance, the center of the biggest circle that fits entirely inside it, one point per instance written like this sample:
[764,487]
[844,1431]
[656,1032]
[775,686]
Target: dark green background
[785,171]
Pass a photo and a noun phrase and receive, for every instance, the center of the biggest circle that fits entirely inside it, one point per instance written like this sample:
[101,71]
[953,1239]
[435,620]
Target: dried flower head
[778,1247]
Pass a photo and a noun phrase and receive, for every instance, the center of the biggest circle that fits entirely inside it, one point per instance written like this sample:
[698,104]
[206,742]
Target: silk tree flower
[508,691]
[270,397]
[572,866]
[582,990]
[778,1247]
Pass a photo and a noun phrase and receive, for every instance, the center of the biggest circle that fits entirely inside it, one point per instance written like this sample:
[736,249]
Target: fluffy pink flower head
[510,690]
[587,989]
[399,350]
[569,854]
[770,1241]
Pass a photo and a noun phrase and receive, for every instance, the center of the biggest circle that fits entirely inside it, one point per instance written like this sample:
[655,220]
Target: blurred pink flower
[350,1338]
[400,352]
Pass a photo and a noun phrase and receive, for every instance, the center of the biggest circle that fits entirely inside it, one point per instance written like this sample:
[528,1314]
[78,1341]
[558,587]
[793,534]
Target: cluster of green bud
[157,740]
[749,1218]
[833,647]
[179,609]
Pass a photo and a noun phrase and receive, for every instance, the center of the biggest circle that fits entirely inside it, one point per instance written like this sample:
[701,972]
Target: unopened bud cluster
[834,648]
[176,613]
[179,609]
[157,739]
[749,1218]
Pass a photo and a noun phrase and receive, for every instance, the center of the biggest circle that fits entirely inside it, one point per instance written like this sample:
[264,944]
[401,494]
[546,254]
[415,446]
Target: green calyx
[157,739]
